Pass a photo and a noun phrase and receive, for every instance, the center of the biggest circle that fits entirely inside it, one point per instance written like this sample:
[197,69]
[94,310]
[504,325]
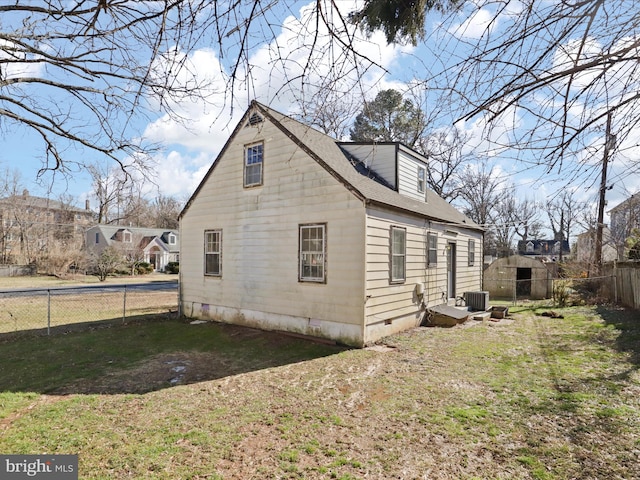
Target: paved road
[79,289]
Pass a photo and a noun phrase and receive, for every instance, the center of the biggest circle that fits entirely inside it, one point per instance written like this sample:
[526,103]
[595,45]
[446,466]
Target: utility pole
[609,143]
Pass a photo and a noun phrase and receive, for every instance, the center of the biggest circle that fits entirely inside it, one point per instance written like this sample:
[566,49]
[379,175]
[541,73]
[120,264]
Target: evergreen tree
[389,118]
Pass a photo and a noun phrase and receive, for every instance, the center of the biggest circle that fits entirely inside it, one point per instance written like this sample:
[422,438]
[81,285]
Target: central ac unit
[477,300]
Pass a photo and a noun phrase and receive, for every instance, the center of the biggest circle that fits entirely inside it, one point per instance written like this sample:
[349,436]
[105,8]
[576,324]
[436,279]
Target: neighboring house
[518,276]
[586,247]
[33,226]
[155,246]
[545,249]
[292,230]
[625,218]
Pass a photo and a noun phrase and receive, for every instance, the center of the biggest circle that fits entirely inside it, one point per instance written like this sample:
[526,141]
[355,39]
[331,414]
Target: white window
[422,173]
[432,249]
[398,254]
[529,247]
[472,252]
[172,239]
[253,160]
[126,237]
[313,253]
[213,253]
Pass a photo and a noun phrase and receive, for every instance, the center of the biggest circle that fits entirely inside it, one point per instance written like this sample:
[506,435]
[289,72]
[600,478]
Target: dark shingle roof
[327,152]
[363,182]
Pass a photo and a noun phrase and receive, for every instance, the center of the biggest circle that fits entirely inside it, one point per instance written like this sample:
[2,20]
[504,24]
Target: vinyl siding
[408,176]
[260,240]
[387,302]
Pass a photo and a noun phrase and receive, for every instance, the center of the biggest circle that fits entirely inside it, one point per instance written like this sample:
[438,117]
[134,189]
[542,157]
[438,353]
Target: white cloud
[203,127]
[476,25]
[179,174]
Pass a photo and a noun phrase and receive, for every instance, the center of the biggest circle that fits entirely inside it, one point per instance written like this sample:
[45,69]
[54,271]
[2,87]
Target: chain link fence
[553,290]
[46,309]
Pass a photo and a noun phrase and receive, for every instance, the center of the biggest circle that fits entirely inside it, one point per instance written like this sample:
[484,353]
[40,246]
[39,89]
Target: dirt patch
[155,373]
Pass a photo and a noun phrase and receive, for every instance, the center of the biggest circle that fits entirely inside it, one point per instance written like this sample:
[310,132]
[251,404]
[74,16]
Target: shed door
[451,270]
[523,282]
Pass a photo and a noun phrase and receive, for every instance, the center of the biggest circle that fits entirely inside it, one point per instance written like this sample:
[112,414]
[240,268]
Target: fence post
[124,305]
[48,311]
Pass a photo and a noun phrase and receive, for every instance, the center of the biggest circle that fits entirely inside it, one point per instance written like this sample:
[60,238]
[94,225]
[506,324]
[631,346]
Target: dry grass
[43,309]
[49,281]
[534,398]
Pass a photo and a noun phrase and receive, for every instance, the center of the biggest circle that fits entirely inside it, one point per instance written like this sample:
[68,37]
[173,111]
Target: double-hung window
[422,181]
[472,252]
[213,253]
[253,161]
[398,254]
[432,249]
[312,254]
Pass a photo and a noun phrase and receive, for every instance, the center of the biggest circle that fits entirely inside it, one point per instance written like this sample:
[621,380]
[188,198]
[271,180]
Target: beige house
[586,247]
[625,220]
[292,230]
[32,227]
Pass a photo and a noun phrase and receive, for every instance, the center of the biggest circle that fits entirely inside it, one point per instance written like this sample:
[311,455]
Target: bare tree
[331,112]
[505,217]
[108,185]
[514,217]
[484,188]
[482,193]
[565,66]
[447,160]
[104,263]
[564,212]
[164,211]
[80,74]
[528,223]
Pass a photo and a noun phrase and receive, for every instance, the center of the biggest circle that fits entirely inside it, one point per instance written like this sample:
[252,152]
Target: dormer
[402,169]
[123,235]
[170,238]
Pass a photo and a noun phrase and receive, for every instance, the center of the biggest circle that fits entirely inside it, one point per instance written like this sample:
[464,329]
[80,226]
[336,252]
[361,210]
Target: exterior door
[451,270]
[154,258]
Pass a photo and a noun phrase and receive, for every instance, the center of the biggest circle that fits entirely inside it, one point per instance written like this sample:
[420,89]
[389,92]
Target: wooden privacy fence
[625,285]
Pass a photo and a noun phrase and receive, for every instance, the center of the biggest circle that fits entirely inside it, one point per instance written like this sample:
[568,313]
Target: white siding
[380,158]
[408,176]
[259,284]
[395,307]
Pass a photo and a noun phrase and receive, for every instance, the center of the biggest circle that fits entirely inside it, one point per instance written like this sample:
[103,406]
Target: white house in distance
[156,246]
[292,230]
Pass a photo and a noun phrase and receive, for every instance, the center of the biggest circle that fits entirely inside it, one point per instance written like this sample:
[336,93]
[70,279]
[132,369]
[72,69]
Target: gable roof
[145,235]
[42,203]
[369,188]
[629,203]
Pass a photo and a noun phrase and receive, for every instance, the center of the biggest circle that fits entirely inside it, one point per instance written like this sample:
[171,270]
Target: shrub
[561,291]
[143,268]
[172,267]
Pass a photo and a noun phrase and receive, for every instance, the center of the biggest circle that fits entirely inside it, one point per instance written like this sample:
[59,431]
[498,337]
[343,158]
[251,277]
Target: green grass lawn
[529,398]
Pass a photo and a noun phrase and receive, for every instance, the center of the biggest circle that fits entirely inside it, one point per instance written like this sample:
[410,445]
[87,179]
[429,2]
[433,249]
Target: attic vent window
[255,119]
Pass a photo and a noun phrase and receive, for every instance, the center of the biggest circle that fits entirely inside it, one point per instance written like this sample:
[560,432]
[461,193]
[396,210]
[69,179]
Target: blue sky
[189,148]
